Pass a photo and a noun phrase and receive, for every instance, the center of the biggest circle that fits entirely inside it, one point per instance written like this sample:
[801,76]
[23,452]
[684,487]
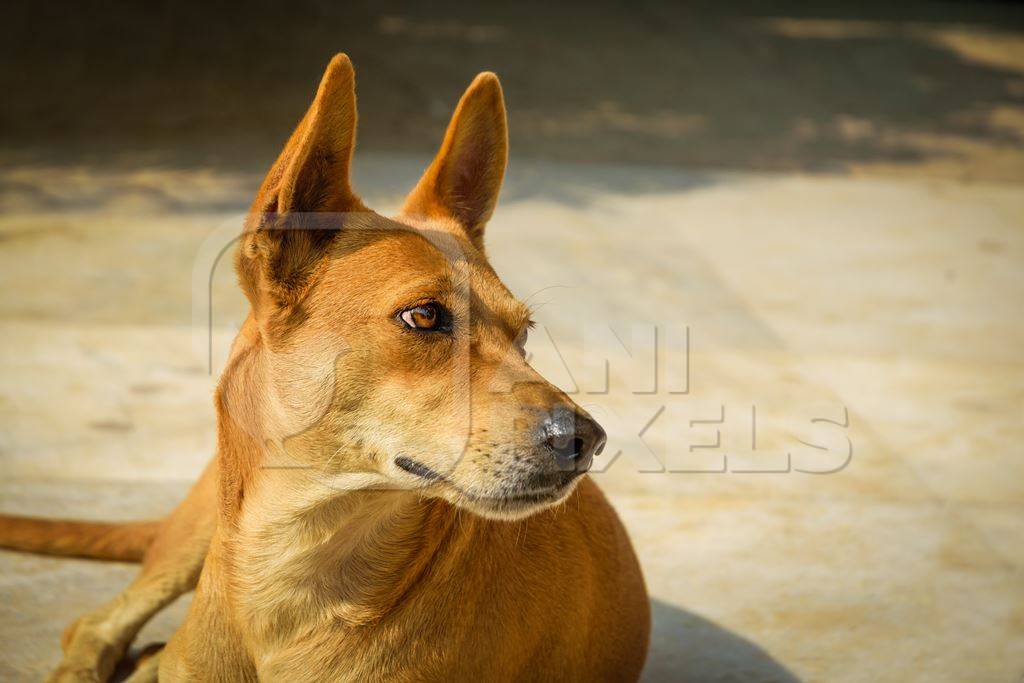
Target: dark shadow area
[577,186]
[747,85]
[690,648]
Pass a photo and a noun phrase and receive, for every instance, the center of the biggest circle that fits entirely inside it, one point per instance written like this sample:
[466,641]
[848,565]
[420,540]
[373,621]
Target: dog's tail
[124,542]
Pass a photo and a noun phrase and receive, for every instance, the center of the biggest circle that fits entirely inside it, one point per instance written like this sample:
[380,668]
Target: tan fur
[71,538]
[315,554]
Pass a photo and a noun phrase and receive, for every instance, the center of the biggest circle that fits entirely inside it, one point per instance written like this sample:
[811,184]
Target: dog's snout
[573,438]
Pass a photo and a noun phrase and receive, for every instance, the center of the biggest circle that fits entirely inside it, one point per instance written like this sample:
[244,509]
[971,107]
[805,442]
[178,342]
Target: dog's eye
[521,340]
[429,317]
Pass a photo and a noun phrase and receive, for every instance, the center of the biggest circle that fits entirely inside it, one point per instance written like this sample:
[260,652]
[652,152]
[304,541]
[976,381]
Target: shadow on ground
[690,648]
[766,86]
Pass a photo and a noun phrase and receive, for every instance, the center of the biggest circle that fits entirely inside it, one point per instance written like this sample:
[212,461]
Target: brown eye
[521,340]
[431,317]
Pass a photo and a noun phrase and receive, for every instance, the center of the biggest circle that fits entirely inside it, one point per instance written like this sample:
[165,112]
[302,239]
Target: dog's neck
[302,550]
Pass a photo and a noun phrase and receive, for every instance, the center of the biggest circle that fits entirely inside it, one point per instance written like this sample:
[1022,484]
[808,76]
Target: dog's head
[389,348]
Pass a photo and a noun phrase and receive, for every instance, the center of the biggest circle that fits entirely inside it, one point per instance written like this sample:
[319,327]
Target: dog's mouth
[418,469]
[514,501]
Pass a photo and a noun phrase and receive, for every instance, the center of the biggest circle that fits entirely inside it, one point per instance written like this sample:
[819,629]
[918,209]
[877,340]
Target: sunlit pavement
[815,433]
[852,346]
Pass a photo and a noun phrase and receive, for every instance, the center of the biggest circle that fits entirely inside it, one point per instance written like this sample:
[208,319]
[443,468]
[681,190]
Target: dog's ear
[465,177]
[312,173]
[298,208]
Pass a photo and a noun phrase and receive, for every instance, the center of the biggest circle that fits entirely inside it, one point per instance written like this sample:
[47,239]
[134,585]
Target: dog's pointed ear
[312,172]
[299,205]
[465,177]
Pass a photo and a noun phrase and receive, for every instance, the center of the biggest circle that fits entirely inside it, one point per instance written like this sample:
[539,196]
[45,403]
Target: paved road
[827,277]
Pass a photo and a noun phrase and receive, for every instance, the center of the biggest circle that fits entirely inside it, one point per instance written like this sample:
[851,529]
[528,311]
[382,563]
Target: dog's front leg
[95,643]
[98,640]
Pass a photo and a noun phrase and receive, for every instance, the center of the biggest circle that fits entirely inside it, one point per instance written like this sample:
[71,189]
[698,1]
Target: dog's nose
[574,438]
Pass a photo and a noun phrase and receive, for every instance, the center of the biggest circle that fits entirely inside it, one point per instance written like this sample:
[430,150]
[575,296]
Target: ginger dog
[396,495]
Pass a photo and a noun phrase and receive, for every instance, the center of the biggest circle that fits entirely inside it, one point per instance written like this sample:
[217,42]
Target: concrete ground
[821,215]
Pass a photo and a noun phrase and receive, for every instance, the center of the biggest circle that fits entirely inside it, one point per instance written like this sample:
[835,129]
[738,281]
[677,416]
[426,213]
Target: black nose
[573,437]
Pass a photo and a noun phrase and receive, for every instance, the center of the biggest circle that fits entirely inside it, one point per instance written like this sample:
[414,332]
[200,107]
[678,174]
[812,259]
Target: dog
[396,494]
